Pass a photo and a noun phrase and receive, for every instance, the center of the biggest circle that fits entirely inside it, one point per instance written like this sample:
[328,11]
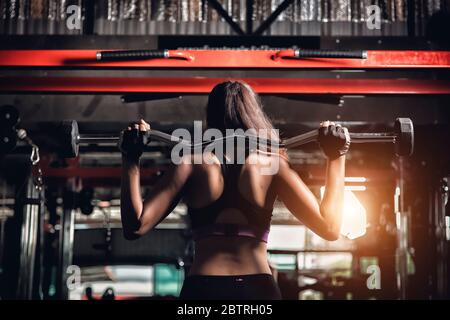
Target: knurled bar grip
[320,53]
[354,138]
[131,55]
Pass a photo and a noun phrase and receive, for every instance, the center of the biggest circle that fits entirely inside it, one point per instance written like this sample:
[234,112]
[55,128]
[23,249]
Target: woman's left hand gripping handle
[134,139]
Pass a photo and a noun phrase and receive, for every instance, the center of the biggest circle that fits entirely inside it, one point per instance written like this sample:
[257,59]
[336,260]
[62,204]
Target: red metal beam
[199,85]
[240,59]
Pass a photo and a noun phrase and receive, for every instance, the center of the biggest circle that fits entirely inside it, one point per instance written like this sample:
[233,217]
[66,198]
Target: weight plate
[404,141]
[69,139]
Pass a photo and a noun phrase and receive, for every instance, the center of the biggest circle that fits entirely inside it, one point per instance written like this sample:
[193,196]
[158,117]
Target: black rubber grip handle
[336,54]
[131,55]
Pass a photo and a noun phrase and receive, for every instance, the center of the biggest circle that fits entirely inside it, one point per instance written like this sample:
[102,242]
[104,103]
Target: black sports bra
[203,220]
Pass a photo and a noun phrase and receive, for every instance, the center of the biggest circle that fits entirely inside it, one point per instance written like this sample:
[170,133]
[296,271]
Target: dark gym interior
[60,226]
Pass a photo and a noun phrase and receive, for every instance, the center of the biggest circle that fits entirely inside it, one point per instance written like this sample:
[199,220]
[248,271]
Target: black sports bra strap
[231,198]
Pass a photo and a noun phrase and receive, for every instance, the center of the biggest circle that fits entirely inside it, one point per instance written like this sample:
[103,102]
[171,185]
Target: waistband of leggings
[231,277]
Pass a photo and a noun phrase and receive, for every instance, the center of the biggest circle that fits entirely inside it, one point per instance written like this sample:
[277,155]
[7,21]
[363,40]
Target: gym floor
[62,109]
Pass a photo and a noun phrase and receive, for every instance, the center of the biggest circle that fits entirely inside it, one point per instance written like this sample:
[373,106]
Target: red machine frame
[217,59]
[222,59]
[201,85]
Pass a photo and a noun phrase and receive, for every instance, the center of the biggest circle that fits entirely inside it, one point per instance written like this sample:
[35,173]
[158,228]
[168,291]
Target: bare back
[230,255]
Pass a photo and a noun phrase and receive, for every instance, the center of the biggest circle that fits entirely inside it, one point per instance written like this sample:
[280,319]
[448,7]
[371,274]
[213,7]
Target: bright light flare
[354,218]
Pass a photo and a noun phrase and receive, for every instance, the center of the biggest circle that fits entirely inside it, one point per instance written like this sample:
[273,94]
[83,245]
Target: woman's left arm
[138,216]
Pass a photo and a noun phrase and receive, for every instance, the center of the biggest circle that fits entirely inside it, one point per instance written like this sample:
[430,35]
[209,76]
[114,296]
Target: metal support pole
[38,293]
[89,17]
[249,17]
[66,235]
[411,17]
[29,241]
[50,255]
[442,290]
[21,240]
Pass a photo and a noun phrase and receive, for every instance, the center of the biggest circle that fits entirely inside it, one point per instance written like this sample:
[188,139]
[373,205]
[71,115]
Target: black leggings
[245,287]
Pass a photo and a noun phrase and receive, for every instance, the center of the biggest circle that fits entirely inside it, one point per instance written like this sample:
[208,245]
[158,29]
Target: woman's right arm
[323,218]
